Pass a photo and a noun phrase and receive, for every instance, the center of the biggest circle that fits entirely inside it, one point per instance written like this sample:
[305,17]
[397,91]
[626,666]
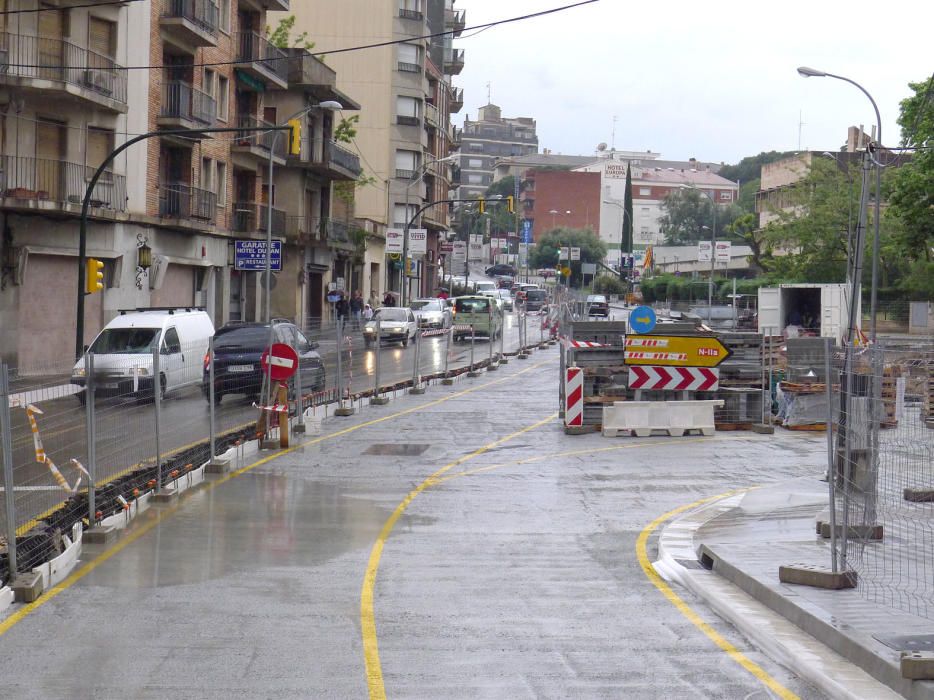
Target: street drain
[393,450]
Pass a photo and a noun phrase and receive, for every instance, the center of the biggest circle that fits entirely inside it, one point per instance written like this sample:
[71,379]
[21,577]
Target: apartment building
[407,97]
[168,211]
[487,141]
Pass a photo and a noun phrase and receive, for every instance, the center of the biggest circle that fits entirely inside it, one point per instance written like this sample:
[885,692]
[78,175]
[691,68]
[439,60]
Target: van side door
[171,359]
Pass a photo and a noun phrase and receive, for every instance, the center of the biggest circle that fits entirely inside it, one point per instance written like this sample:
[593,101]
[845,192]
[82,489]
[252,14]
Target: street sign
[283,364]
[674,351]
[459,254]
[447,247]
[588,268]
[642,319]
[418,241]
[674,378]
[251,255]
[724,250]
[526,228]
[563,253]
[394,240]
[575,253]
[703,251]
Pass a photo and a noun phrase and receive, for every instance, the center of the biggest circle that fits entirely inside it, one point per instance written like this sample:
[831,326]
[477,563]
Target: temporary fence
[880,456]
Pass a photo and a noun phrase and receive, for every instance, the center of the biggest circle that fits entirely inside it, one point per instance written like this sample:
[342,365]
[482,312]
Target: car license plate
[110,385]
[240,368]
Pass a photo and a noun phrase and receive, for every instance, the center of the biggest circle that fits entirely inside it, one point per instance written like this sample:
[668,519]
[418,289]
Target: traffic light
[481,205]
[509,204]
[94,280]
[295,137]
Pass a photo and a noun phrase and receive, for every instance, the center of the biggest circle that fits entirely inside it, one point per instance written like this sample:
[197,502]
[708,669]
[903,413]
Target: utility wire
[380,44]
[69,7]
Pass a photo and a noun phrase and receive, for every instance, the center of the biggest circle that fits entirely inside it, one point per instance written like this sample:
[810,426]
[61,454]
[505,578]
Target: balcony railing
[183,101]
[42,58]
[44,180]
[456,103]
[249,217]
[404,174]
[406,67]
[263,140]
[455,20]
[411,14]
[344,158]
[454,61]
[202,13]
[337,231]
[432,116]
[180,200]
[305,227]
[252,48]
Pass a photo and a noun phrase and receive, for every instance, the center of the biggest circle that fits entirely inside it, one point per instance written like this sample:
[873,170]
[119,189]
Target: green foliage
[750,168]
[546,249]
[504,187]
[346,190]
[684,288]
[605,284]
[346,129]
[746,230]
[685,213]
[279,36]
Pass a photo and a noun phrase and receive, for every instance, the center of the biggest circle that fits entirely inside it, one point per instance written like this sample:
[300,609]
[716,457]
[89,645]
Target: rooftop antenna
[613,136]
[489,93]
[800,124]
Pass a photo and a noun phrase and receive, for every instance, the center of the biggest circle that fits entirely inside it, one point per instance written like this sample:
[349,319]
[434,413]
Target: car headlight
[78,372]
[369,330]
[138,371]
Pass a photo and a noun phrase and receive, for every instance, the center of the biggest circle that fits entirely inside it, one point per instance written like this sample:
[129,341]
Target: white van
[122,352]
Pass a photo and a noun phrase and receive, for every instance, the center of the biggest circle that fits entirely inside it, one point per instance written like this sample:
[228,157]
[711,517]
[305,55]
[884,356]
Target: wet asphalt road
[452,545]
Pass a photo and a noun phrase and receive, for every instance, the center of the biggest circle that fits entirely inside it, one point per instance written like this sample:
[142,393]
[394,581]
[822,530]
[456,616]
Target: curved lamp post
[806,72]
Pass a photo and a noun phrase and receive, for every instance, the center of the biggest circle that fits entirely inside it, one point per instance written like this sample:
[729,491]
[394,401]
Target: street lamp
[806,72]
[713,249]
[415,177]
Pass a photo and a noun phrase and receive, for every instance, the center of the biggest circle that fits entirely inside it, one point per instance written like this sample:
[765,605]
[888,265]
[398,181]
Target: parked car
[432,313]
[238,348]
[500,269]
[535,299]
[597,305]
[481,313]
[123,352]
[397,324]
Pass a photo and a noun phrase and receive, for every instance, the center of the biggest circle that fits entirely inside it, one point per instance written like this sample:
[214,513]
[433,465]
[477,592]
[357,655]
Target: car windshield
[535,294]
[596,298]
[391,314]
[125,341]
[426,305]
[246,337]
[471,305]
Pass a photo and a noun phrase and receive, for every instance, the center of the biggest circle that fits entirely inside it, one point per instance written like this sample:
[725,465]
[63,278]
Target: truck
[814,309]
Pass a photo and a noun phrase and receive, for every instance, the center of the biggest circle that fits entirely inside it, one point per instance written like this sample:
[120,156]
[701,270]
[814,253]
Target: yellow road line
[757,671]
[9,622]
[374,672]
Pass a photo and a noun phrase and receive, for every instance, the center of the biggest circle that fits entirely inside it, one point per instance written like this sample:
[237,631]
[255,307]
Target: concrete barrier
[676,418]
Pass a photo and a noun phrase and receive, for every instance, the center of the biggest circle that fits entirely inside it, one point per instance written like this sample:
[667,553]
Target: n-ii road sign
[675,351]
[674,378]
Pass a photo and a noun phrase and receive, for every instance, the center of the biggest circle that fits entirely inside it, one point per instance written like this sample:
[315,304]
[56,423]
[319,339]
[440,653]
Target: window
[474,163]
[406,163]
[399,215]
[475,146]
[726,196]
[207,174]
[102,36]
[474,179]
[223,90]
[645,211]
[170,343]
[208,83]
[645,191]
[223,15]
[100,142]
[408,58]
[221,181]
[407,110]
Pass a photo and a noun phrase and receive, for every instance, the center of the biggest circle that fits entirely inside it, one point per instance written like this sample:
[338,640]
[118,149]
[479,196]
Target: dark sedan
[597,305]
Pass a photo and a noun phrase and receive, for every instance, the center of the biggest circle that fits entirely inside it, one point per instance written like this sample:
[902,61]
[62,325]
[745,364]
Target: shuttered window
[2,15]
[408,53]
[102,37]
[51,22]
[100,144]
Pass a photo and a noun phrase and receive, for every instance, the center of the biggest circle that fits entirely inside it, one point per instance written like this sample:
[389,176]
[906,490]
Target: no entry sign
[283,364]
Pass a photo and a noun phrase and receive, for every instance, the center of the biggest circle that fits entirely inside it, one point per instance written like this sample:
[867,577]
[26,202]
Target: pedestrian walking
[342,307]
[356,308]
[389,299]
[367,312]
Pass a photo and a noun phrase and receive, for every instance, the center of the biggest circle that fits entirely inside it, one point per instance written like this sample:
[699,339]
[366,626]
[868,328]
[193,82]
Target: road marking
[374,672]
[14,618]
[757,671]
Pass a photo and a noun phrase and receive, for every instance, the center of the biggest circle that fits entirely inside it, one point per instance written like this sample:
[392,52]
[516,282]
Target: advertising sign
[251,255]
[575,253]
[526,229]
[563,253]
[418,241]
[723,251]
[394,238]
[674,351]
[459,252]
[703,251]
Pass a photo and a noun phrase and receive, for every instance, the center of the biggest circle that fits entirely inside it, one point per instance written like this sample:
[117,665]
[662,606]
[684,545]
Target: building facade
[183,198]
[560,199]
[488,140]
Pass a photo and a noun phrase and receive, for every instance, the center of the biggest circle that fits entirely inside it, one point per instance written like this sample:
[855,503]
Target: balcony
[185,106]
[453,61]
[456,101]
[327,158]
[257,144]
[455,21]
[337,233]
[251,217]
[432,115]
[58,66]
[302,228]
[264,5]
[179,200]
[414,15]
[55,185]
[404,67]
[263,63]
[189,24]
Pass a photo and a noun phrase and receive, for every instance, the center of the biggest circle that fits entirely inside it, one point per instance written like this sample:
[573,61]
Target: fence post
[159,494]
[6,439]
[448,380]
[91,426]
[472,372]
[503,360]
[523,334]
[377,399]
[490,367]
[213,431]
[831,478]
[341,410]
[417,387]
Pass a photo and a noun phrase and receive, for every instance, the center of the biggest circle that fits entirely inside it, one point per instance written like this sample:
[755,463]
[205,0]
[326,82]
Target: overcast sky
[714,81]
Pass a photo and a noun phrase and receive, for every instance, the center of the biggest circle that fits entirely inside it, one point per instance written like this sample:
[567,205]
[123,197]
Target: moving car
[432,313]
[485,286]
[397,324]
[238,347]
[506,298]
[481,313]
[519,290]
[597,305]
[500,269]
[123,352]
[535,299]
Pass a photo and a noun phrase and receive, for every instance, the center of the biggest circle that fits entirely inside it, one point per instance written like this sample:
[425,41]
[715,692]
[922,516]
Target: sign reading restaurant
[251,255]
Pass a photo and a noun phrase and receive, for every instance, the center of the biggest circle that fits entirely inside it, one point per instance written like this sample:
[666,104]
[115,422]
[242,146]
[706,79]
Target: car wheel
[217,398]
[82,397]
[405,341]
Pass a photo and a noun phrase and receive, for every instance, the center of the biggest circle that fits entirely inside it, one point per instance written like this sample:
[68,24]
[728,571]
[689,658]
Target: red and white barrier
[674,378]
[574,397]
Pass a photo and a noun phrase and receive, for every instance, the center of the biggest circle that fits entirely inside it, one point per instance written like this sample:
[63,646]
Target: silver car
[432,313]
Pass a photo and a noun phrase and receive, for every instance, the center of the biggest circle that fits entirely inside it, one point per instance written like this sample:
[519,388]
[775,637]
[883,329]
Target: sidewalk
[745,538]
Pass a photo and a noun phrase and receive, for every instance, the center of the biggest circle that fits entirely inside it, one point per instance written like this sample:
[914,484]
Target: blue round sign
[642,319]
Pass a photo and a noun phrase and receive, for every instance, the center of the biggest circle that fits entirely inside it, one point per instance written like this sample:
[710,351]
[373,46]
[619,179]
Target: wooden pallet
[733,426]
[809,428]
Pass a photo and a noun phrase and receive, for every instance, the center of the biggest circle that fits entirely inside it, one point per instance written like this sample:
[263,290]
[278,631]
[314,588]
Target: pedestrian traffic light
[94,281]
[481,205]
[295,137]
[509,204]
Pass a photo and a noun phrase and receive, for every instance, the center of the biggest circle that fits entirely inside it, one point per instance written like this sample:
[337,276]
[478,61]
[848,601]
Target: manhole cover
[407,450]
[918,642]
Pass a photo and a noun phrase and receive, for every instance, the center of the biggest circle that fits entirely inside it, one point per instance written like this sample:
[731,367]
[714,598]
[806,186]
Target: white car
[506,297]
[396,324]
[432,313]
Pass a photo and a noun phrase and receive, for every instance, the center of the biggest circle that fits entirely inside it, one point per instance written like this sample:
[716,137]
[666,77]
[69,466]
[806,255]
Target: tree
[546,249]
[746,229]
[686,212]
[279,36]
[750,167]
[626,239]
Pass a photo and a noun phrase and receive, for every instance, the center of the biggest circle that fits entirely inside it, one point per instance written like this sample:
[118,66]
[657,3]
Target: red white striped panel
[574,397]
[674,378]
